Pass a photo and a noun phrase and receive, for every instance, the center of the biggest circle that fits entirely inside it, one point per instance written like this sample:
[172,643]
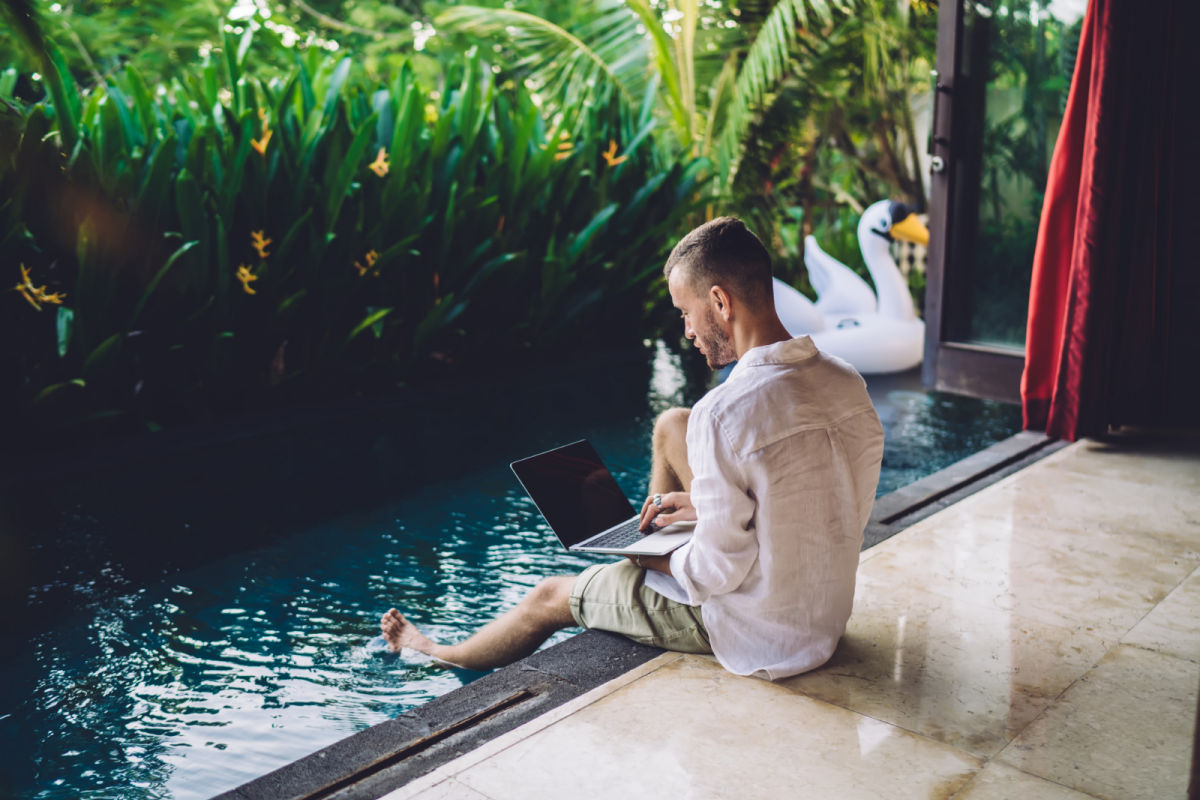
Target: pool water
[200,620]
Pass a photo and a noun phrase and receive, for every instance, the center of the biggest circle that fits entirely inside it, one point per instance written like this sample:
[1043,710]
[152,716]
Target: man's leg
[669,470]
[508,638]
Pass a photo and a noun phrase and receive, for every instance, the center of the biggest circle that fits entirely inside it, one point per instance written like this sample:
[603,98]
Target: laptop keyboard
[624,534]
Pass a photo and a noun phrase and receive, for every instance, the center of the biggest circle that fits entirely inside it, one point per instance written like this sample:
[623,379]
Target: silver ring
[658,501]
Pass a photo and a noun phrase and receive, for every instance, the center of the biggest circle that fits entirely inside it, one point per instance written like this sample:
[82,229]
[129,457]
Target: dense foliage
[226,241]
[532,161]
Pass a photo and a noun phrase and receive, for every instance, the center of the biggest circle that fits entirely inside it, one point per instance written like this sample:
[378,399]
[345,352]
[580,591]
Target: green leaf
[581,240]
[64,326]
[103,356]
[150,287]
[54,389]
[368,321]
[352,162]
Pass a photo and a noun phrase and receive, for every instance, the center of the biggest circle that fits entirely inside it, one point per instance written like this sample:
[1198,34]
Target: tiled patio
[1038,640]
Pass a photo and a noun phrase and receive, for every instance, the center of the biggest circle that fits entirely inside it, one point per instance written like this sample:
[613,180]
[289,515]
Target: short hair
[725,252]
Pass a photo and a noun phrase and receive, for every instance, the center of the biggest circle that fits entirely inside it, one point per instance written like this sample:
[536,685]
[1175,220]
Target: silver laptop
[585,507]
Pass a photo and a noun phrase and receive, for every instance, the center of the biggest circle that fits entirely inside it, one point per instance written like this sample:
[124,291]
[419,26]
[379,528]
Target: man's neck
[764,331]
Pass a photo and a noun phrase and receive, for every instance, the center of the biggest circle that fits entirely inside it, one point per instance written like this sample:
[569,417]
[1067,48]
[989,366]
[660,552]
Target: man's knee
[550,600]
[671,426]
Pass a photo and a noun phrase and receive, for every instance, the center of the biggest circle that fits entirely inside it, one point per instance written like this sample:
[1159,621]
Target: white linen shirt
[785,455]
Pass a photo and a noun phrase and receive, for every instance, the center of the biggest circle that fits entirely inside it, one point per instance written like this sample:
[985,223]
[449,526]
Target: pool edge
[384,757]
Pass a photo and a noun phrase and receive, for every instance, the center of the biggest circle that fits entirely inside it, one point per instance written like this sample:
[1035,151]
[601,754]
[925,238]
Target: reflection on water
[188,681]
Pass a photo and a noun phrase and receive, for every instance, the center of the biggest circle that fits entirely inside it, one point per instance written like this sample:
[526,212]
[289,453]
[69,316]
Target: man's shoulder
[773,402]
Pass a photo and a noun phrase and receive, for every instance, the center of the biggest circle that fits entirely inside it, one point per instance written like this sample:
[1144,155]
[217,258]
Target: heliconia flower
[380,165]
[246,276]
[611,156]
[34,295]
[260,145]
[371,257]
[259,243]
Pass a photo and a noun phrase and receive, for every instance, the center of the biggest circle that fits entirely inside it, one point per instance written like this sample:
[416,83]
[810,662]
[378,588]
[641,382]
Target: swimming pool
[205,615]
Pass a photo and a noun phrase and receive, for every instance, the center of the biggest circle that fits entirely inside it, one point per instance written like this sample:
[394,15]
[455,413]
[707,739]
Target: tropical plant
[227,241]
[803,106]
[710,68]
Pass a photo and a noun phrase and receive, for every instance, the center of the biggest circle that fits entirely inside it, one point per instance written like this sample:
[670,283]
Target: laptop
[585,507]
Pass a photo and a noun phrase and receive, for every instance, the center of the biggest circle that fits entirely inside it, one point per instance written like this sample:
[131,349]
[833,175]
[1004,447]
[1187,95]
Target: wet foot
[400,633]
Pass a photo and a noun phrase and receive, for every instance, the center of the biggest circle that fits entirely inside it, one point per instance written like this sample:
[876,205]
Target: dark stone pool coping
[382,758]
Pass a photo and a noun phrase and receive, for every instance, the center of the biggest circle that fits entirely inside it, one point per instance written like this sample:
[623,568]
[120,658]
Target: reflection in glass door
[1008,65]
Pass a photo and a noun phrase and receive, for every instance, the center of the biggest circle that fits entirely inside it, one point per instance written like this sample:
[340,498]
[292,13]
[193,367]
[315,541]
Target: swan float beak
[910,229]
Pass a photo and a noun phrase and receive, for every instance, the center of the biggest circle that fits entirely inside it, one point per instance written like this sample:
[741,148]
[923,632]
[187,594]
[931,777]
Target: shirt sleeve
[724,546]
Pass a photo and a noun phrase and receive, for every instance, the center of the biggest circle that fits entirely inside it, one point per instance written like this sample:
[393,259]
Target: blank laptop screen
[575,492]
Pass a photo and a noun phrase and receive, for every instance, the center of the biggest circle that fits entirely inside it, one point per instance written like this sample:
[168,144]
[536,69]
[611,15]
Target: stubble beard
[719,351]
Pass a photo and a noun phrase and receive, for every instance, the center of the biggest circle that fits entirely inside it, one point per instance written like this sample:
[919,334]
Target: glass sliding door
[1004,70]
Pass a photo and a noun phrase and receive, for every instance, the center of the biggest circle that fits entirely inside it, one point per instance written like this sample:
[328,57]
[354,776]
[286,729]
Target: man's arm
[724,546]
[657,563]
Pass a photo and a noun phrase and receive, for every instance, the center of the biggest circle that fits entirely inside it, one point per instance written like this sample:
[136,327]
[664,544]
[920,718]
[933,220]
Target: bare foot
[401,633]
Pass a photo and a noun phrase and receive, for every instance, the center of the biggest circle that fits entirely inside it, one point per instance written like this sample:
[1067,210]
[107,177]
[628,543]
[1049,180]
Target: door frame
[961,367]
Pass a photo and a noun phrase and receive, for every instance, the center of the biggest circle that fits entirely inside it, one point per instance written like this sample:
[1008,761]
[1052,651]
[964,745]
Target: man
[777,466]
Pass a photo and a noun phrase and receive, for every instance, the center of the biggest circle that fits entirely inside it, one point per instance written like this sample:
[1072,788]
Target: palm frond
[766,63]
[563,66]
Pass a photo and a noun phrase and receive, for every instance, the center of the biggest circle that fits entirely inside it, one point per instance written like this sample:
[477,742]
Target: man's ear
[718,299]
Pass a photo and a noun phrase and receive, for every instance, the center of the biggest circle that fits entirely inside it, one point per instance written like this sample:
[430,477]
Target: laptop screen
[575,492]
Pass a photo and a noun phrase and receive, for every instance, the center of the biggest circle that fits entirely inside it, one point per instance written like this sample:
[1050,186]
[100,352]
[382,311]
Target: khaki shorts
[614,597]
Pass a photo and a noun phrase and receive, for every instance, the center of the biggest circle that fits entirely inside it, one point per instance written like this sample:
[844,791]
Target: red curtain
[1110,335]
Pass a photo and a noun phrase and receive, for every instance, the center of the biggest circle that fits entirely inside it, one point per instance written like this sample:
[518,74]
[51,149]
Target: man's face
[700,323]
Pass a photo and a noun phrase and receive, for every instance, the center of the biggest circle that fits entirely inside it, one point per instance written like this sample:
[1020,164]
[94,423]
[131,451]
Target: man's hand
[672,507]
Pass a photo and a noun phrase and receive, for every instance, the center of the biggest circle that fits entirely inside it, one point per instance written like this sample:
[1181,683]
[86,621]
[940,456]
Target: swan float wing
[839,289]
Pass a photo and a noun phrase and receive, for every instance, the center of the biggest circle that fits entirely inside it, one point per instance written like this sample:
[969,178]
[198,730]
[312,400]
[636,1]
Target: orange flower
[380,165]
[611,156]
[36,294]
[371,257]
[246,276]
[260,145]
[259,243]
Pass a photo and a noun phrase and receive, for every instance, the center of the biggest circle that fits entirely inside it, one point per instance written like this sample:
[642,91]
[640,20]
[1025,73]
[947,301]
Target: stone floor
[1038,640]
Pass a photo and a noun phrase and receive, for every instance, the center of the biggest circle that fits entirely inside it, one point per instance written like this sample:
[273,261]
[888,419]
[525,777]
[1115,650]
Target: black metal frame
[951,364]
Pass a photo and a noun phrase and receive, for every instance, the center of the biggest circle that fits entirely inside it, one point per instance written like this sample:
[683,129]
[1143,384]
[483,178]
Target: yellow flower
[565,147]
[260,145]
[380,165]
[36,294]
[259,243]
[371,257]
[246,276]
[610,155]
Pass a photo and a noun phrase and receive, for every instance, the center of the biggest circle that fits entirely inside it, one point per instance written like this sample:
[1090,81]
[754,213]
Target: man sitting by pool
[778,467]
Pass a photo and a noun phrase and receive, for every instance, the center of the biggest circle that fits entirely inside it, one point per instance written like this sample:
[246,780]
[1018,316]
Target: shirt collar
[790,351]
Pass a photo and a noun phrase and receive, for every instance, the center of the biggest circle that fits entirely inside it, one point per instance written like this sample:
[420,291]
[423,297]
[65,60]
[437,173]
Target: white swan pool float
[875,331]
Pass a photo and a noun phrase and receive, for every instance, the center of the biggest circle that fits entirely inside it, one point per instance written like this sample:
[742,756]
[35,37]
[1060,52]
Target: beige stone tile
[501,743]
[1056,573]
[968,676]
[1168,464]
[450,789]
[1173,627]
[1122,732]
[999,781]
[692,730]
[1054,498]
